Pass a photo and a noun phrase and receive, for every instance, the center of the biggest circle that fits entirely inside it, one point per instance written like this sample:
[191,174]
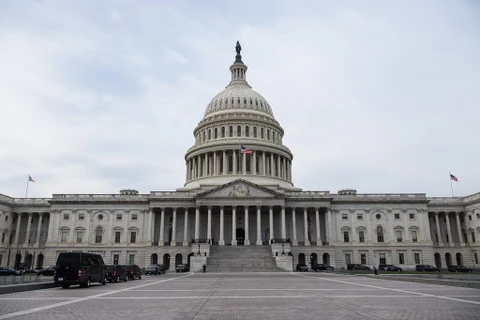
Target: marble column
[259,226]
[449,229]
[173,243]
[39,228]
[29,227]
[205,165]
[272,171]
[234,226]
[305,222]
[254,164]
[209,223]
[17,230]
[284,229]
[459,228]
[278,167]
[215,163]
[270,220]
[437,224]
[185,229]
[294,228]
[149,234]
[221,240]
[244,163]
[197,223]
[247,238]
[51,216]
[234,161]
[224,160]
[264,171]
[317,221]
[161,241]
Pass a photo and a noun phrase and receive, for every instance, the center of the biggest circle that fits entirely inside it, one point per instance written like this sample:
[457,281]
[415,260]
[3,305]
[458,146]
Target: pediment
[240,189]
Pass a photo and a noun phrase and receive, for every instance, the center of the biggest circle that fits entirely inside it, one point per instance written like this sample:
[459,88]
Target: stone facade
[242,196]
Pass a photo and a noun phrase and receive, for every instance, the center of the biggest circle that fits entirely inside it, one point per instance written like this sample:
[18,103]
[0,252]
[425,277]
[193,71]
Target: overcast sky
[380,96]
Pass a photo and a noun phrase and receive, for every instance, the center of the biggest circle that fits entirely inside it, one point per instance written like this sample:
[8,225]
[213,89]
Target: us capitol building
[242,196]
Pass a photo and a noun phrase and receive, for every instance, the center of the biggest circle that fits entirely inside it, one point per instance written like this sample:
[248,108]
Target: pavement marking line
[60,304]
[396,290]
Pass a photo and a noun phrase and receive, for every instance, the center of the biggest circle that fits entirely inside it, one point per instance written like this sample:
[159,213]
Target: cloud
[380,97]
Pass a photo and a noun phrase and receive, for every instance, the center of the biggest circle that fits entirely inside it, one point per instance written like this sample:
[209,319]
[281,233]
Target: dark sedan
[426,268]
[182,268]
[301,267]
[459,269]
[116,273]
[50,271]
[9,271]
[133,271]
[322,267]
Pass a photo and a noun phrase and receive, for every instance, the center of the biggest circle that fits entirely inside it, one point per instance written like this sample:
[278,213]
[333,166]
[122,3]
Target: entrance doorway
[240,236]
[166,261]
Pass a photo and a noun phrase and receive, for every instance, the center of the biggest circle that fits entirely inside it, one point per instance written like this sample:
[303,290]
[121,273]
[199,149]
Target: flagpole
[451,185]
[26,189]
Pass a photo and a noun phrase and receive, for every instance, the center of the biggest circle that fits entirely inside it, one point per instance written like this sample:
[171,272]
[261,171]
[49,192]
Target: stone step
[241,259]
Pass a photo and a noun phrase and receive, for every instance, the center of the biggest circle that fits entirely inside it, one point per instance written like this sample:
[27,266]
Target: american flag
[453,177]
[30,179]
[245,150]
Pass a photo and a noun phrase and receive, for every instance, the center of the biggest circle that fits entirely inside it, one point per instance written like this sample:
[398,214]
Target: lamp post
[283,249]
[199,249]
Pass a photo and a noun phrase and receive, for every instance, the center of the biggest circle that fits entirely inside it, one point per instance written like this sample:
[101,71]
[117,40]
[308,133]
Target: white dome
[240,97]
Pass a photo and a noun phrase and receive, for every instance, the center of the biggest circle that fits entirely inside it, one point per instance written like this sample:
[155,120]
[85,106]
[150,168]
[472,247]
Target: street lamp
[199,249]
[283,249]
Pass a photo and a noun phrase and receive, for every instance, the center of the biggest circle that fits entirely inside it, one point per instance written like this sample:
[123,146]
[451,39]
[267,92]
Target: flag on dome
[245,150]
[453,177]
[30,178]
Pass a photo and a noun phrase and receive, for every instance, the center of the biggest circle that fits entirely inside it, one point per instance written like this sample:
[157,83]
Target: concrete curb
[26,287]
[445,282]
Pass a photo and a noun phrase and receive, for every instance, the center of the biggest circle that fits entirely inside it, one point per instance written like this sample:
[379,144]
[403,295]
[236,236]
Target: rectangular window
[470,218]
[399,236]
[63,238]
[401,258]
[397,216]
[345,216]
[363,258]
[133,237]
[79,236]
[81,216]
[361,236]
[359,216]
[119,216]
[230,163]
[348,258]
[475,256]
[134,217]
[412,215]
[3,237]
[346,236]
[382,259]
[118,234]
[1,258]
[6,218]
[416,257]
[414,236]
[66,216]
[116,257]
[131,259]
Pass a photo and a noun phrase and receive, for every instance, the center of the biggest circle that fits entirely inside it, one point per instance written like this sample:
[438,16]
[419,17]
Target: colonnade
[246,215]
[225,162]
[450,241]
[9,227]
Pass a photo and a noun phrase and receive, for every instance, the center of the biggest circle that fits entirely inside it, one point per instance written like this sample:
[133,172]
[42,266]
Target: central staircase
[241,259]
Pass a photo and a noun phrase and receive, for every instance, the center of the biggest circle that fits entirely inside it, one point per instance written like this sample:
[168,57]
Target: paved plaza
[247,296]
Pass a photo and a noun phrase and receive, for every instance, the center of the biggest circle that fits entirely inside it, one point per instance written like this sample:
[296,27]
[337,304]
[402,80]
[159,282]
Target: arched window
[231,131]
[209,134]
[98,235]
[223,132]
[239,131]
[203,136]
[273,136]
[216,133]
[268,134]
[380,234]
[261,133]
[254,132]
[247,131]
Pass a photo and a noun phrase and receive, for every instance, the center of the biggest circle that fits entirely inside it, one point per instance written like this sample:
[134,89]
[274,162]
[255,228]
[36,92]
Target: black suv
[389,267]
[134,271]
[79,268]
[116,273]
[182,268]
[459,269]
[357,267]
[322,267]
[50,271]
[9,271]
[426,268]
[301,267]
[153,269]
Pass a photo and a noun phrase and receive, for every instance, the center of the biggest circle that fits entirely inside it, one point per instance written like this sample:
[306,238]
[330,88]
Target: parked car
[9,271]
[116,273]
[133,271]
[79,268]
[152,269]
[426,268]
[389,267]
[301,267]
[322,267]
[459,269]
[50,271]
[361,267]
[163,269]
[182,268]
